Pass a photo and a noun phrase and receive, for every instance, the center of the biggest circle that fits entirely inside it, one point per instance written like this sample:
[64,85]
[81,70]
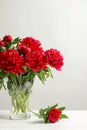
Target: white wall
[60,24]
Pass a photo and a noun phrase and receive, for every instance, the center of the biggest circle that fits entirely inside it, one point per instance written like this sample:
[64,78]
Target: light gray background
[60,24]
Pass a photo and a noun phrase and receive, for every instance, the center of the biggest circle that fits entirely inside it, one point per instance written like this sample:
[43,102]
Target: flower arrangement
[21,60]
[27,56]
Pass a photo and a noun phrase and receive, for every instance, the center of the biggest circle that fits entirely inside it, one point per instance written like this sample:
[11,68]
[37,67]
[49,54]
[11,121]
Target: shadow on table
[36,122]
[4,117]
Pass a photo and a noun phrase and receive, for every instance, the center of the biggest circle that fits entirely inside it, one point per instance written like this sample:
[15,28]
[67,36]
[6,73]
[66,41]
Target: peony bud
[2,43]
[7,38]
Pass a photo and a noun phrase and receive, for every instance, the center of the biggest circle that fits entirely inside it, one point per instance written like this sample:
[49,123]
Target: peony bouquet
[26,58]
[21,60]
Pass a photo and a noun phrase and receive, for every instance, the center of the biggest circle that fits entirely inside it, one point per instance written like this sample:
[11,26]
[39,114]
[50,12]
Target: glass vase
[20,102]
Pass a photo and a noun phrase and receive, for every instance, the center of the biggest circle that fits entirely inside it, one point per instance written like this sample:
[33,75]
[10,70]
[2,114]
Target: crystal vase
[20,101]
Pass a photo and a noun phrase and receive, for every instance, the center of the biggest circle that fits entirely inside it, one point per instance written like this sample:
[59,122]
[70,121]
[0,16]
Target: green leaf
[43,114]
[2,74]
[63,116]
[16,40]
[11,44]
[44,74]
[54,106]
[61,108]
[41,75]
[48,73]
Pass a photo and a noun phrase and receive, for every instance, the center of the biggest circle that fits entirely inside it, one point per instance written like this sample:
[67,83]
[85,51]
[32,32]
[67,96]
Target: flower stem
[34,112]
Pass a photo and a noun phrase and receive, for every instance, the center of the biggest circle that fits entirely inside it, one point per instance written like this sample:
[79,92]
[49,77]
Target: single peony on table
[21,60]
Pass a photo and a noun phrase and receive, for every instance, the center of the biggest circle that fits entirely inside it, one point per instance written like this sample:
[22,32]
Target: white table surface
[77,121]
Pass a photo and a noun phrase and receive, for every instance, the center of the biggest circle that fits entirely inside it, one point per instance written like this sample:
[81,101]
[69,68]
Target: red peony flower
[31,43]
[36,60]
[7,38]
[2,43]
[54,115]
[54,58]
[11,61]
[24,49]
